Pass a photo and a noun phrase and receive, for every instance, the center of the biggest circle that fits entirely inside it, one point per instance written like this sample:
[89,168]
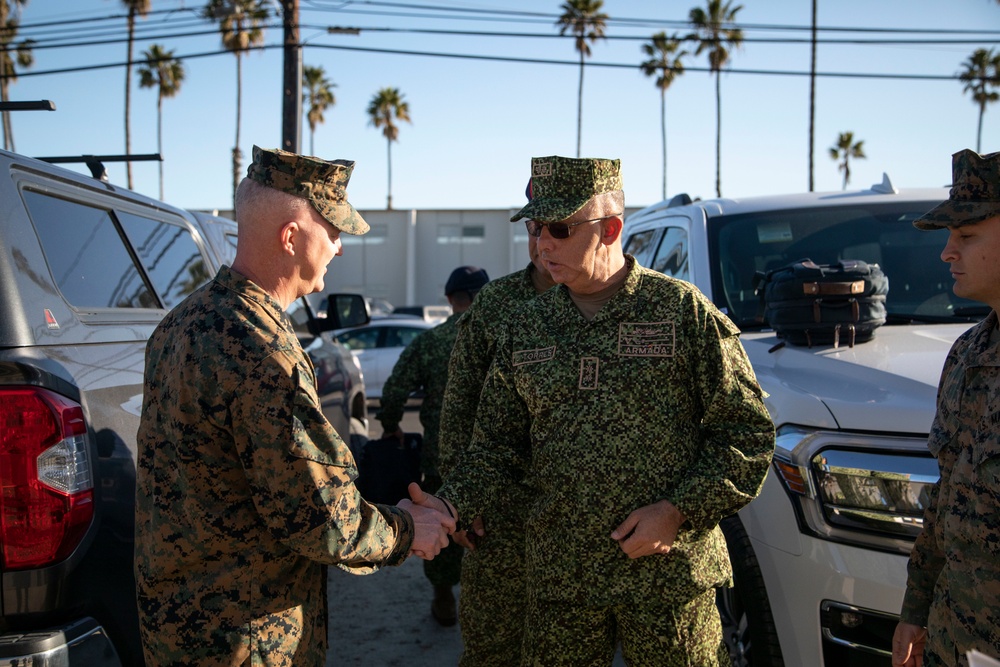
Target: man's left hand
[649,530]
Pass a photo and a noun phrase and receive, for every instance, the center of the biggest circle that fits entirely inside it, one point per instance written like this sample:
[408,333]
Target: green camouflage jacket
[423,365]
[471,356]
[954,571]
[653,399]
[244,490]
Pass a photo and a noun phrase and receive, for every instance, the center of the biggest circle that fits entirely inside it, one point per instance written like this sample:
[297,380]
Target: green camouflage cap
[561,186]
[322,182]
[975,192]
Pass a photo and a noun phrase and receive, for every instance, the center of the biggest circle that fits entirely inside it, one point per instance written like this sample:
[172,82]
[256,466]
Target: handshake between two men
[434,520]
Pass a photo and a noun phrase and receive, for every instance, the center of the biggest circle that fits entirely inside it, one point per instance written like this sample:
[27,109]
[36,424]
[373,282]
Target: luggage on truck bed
[824,304]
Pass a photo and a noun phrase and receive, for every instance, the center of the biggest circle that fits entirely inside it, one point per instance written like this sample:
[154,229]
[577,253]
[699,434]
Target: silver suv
[820,557]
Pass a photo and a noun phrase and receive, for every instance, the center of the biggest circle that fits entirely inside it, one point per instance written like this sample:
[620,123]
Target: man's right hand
[908,645]
[468,539]
[432,522]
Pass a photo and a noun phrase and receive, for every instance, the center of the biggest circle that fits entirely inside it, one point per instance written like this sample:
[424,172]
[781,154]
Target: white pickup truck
[820,557]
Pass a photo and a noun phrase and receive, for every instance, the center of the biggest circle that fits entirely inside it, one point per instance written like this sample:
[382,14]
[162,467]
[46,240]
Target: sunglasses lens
[534,227]
[559,230]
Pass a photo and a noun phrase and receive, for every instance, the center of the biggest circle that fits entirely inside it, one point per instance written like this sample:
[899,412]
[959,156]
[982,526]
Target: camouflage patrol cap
[561,186]
[322,182]
[975,192]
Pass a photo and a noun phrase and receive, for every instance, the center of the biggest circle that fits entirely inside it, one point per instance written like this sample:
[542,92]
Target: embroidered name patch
[646,339]
[522,357]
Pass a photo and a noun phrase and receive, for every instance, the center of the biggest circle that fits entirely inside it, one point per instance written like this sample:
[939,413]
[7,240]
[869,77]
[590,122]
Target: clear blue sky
[477,123]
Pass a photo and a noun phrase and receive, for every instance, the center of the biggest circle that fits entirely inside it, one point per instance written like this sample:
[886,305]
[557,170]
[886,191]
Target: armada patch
[522,357]
[646,339]
[588,372]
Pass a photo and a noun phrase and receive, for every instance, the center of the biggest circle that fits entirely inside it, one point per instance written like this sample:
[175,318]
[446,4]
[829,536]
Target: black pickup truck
[87,270]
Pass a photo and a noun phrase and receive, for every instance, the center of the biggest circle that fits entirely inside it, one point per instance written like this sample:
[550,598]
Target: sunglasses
[558,230]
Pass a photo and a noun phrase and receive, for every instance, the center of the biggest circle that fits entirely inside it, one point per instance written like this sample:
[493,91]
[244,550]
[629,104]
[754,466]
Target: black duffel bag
[386,467]
[824,304]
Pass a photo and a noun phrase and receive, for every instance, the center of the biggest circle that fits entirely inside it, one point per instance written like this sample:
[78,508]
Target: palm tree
[715,33]
[982,72]
[10,11]
[241,27]
[844,150]
[584,19]
[318,96]
[385,107]
[665,63]
[164,72]
[135,8]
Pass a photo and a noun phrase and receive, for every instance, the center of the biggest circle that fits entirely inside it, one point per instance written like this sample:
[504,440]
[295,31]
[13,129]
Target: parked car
[378,344]
[820,557]
[433,314]
[87,271]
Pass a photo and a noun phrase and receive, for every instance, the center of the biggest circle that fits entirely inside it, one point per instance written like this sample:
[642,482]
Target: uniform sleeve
[927,558]
[493,459]
[736,429]
[470,361]
[302,474]
[403,381]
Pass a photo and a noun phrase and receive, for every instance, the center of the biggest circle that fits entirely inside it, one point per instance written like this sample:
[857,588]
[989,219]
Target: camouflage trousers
[492,600]
[562,634]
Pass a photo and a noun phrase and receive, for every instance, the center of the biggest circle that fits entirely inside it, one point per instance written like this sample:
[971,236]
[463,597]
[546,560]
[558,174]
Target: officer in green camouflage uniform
[491,605]
[423,366]
[244,491]
[952,600]
[625,400]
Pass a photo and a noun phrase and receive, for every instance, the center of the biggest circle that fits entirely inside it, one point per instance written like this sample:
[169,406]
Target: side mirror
[343,311]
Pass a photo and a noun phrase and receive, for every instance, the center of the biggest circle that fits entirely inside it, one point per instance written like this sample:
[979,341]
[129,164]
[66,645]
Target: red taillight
[46,484]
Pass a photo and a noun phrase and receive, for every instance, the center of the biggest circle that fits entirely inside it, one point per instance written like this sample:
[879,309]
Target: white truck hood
[888,384]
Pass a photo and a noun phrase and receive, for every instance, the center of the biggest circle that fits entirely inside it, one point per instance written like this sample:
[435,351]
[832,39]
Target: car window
[87,255]
[672,255]
[173,261]
[360,339]
[883,234]
[401,336]
[642,245]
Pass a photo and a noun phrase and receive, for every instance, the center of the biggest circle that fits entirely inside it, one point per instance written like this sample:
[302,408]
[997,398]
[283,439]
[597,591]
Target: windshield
[919,282]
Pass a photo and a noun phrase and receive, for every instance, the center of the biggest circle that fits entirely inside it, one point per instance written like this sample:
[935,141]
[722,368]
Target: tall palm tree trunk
[979,132]
[239,107]
[128,96]
[159,137]
[812,100]
[8,131]
[718,134]
[663,127]
[579,108]
[388,152]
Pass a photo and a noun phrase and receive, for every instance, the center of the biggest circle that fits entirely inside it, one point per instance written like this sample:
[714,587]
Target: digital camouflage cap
[322,182]
[561,186]
[975,192]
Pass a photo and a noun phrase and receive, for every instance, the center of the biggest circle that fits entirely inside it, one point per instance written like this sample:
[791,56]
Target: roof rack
[40,105]
[96,162]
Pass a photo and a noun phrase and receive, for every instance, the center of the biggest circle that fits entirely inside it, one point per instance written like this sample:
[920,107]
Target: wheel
[747,622]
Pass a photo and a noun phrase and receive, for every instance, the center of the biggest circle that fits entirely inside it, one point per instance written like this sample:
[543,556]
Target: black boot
[443,606]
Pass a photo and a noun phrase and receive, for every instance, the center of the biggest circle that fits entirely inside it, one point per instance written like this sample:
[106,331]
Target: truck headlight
[857,488]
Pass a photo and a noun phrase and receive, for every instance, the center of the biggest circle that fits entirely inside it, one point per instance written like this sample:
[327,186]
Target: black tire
[747,622]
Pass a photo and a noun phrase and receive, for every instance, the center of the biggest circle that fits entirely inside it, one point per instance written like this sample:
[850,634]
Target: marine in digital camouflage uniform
[492,601]
[953,587]
[633,405]
[423,365]
[244,491]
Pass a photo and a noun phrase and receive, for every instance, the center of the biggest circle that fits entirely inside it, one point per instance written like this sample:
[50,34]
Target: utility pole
[291,116]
